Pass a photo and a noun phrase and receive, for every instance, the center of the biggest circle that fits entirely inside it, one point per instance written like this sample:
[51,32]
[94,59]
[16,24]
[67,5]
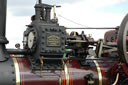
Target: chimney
[3,52]
[40,1]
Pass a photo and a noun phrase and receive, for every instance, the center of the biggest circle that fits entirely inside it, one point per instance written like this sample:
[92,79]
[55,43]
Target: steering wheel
[122,42]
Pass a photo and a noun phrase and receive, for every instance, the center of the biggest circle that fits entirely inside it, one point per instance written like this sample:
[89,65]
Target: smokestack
[40,1]
[3,52]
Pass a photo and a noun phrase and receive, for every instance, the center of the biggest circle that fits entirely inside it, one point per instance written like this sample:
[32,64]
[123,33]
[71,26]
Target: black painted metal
[40,1]
[7,73]
[3,40]
[48,11]
[37,12]
[18,51]
[7,69]
[2,17]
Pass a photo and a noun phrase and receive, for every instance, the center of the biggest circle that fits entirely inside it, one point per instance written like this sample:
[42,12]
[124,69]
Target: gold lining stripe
[60,80]
[99,72]
[23,75]
[66,74]
[17,71]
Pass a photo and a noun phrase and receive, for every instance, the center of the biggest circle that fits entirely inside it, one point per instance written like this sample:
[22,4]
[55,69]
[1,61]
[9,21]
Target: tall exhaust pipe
[3,52]
[40,1]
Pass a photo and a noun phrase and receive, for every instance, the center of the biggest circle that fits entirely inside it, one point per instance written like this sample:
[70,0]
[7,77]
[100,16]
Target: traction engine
[52,56]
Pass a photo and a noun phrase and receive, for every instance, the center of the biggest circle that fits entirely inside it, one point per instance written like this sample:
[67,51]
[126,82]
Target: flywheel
[122,42]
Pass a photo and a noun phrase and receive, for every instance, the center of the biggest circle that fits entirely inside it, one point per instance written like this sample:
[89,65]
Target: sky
[88,13]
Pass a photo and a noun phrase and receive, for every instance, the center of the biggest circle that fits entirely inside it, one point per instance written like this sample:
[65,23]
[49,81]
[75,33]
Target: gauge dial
[31,38]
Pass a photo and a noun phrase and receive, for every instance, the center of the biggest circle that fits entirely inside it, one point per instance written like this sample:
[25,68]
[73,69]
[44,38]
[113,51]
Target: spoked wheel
[123,40]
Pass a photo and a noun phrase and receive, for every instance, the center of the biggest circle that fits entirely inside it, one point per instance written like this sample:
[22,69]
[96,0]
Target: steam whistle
[43,11]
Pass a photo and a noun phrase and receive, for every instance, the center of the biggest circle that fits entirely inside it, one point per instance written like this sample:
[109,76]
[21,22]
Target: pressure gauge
[31,38]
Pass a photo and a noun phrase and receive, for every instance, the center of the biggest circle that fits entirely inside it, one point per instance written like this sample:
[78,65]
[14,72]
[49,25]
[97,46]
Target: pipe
[40,1]
[3,52]
[2,17]
[18,51]
[117,78]
[47,16]
[37,12]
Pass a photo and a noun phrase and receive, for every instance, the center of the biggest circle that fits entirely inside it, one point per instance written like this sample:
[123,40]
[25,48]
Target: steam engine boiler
[51,56]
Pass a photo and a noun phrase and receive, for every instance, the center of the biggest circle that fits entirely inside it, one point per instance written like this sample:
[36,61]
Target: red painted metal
[75,70]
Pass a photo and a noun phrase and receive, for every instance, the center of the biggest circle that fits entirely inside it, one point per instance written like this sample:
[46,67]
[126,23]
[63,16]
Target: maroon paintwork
[76,73]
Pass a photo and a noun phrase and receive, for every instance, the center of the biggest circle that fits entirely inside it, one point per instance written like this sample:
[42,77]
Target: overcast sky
[91,13]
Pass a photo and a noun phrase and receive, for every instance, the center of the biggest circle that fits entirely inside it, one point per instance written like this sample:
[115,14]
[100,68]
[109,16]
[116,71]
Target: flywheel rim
[122,37]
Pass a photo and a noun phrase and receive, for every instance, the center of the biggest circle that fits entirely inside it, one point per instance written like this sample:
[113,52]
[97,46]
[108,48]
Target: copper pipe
[117,78]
